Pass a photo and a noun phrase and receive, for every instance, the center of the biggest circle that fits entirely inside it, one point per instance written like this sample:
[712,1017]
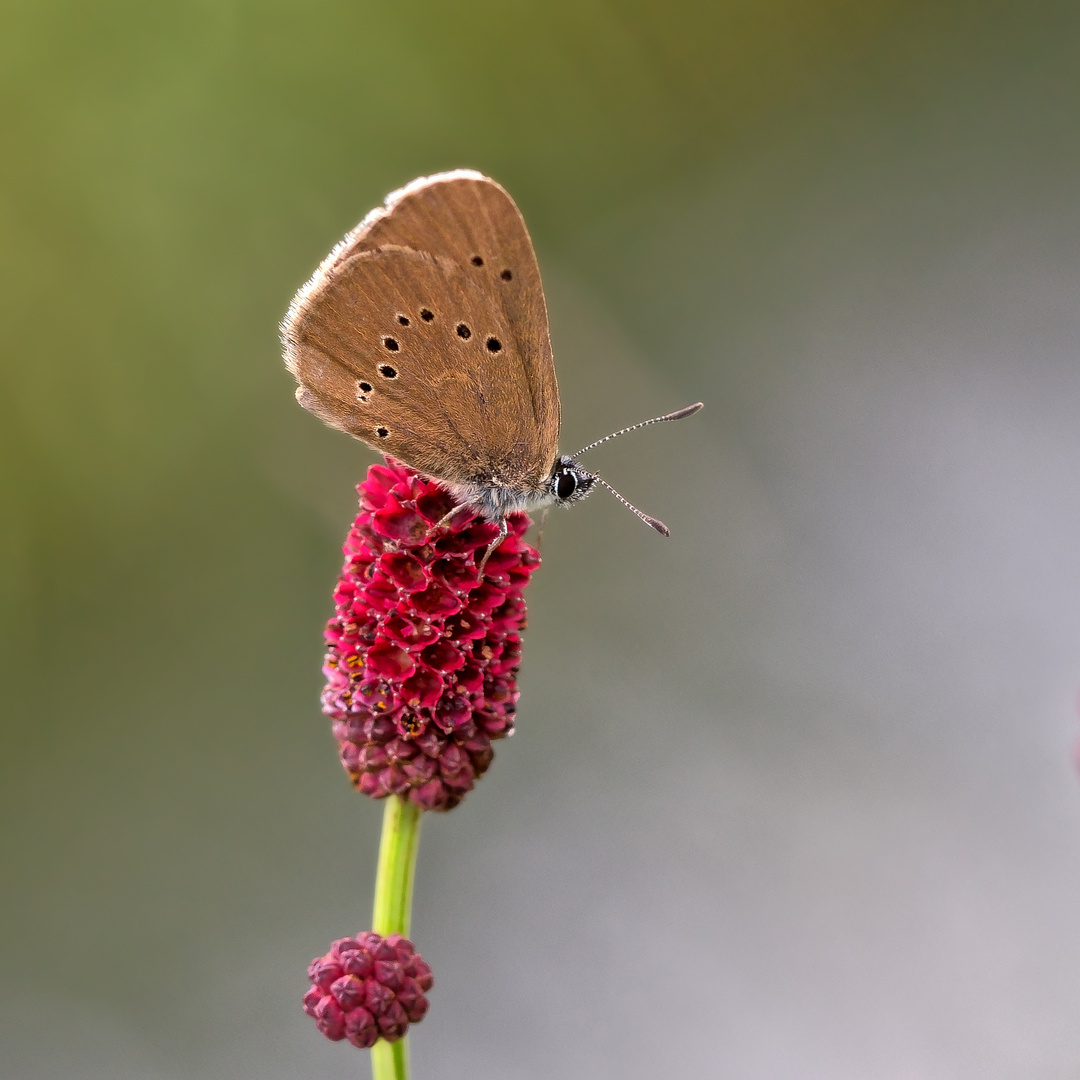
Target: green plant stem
[390,1061]
[393,910]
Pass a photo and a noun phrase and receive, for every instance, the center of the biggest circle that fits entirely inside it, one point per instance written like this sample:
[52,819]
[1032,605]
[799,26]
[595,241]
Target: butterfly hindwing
[425,334]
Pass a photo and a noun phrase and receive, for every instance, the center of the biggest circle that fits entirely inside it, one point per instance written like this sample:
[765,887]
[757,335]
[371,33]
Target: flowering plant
[421,668]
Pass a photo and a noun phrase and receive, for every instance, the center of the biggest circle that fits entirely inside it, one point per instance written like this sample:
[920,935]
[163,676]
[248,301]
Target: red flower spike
[381,994]
[423,650]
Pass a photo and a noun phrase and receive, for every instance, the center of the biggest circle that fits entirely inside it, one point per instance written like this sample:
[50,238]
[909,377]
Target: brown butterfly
[424,333]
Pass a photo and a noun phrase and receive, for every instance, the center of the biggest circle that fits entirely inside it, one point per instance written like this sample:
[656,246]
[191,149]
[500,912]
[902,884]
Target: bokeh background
[792,794]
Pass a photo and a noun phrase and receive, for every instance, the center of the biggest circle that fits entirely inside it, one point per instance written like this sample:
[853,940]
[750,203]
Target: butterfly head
[569,482]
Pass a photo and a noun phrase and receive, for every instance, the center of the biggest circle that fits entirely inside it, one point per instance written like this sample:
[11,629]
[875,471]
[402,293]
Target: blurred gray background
[792,793]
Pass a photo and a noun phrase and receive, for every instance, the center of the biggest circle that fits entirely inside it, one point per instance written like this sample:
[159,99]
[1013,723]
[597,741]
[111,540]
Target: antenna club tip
[658,525]
[682,414]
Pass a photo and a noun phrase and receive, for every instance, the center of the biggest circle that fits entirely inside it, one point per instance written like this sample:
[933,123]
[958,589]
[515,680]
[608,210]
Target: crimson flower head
[423,648]
[366,987]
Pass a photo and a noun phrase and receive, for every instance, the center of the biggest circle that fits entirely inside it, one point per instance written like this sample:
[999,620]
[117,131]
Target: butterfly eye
[565,485]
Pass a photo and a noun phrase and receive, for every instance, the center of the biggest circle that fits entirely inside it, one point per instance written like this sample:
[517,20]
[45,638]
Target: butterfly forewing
[425,334]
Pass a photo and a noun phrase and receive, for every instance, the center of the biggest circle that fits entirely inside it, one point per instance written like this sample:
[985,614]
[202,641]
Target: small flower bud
[378,988]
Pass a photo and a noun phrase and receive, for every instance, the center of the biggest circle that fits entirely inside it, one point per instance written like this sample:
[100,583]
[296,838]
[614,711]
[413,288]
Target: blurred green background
[791,794]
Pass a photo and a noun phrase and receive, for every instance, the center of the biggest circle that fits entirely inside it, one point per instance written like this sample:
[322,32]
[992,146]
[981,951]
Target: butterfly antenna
[654,523]
[679,414]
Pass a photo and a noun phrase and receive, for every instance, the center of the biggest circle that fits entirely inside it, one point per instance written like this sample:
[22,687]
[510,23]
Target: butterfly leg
[444,521]
[543,524]
[504,528]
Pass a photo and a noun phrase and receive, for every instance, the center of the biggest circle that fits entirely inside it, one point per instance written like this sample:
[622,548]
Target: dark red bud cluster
[423,648]
[366,987]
